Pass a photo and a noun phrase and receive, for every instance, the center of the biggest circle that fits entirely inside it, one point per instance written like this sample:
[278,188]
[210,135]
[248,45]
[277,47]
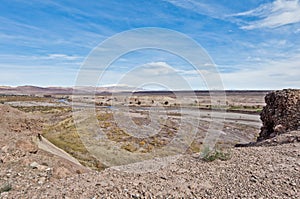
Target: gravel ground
[252,172]
[271,170]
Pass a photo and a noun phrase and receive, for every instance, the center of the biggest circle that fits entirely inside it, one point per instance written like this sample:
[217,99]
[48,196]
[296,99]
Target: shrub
[5,187]
[209,155]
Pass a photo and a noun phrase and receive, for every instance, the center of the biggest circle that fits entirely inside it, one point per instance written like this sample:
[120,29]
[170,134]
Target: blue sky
[255,44]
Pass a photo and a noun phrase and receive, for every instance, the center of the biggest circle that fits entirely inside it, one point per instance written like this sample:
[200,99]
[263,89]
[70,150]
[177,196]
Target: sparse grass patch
[24,98]
[129,147]
[195,147]
[116,134]
[257,109]
[64,135]
[250,109]
[105,116]
[43,109]
[214,154]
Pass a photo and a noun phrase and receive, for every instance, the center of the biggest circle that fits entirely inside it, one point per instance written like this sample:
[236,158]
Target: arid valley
[49,142]
[159,99]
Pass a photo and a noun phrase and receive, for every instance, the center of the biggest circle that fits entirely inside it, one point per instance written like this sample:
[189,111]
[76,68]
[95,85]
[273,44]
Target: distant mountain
[35,90]
[31,90]
[106,89]
[118,88]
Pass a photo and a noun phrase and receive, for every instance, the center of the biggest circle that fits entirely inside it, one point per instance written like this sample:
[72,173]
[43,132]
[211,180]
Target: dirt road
[45,145]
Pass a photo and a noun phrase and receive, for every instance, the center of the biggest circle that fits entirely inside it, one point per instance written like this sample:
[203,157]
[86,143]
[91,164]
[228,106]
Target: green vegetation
[243,108]
[214,154]
[5,187]
[257,108]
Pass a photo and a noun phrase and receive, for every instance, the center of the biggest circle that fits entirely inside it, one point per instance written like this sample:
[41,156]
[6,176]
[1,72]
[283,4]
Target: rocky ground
[271,169]
[252,172]
[22,163]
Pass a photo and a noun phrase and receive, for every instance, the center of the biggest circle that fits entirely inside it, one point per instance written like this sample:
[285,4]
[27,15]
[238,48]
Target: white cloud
[297,31]
[212,10]
[258,73]
[62,56]
[152,73]
[165,75]
[114,85]
[271,75]
[273,15]
[156,68]
[34,60]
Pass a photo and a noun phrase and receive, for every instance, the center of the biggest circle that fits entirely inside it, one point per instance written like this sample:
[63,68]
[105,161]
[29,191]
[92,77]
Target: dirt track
[45,145]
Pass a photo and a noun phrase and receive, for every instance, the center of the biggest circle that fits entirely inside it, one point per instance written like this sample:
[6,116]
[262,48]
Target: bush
[5,187]
[211,155]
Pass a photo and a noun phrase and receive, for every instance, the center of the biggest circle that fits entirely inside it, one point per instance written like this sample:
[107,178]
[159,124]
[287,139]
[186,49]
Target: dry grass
[65,136]
[44,109]
[23,98]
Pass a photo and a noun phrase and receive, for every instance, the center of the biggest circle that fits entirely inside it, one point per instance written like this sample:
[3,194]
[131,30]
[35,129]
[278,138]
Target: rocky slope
[252,172]
[22,163]
[271,169]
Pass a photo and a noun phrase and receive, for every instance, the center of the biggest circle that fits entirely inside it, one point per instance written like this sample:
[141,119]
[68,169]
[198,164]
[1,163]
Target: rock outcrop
[281,113]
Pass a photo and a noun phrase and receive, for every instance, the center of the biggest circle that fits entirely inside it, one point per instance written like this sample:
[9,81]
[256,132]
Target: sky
[254,44]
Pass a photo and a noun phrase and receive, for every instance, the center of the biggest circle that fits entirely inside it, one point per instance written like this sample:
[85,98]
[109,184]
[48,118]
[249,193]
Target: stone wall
[281,113]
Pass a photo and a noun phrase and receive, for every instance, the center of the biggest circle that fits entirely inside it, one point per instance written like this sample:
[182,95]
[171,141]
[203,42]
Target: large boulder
[281,113]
